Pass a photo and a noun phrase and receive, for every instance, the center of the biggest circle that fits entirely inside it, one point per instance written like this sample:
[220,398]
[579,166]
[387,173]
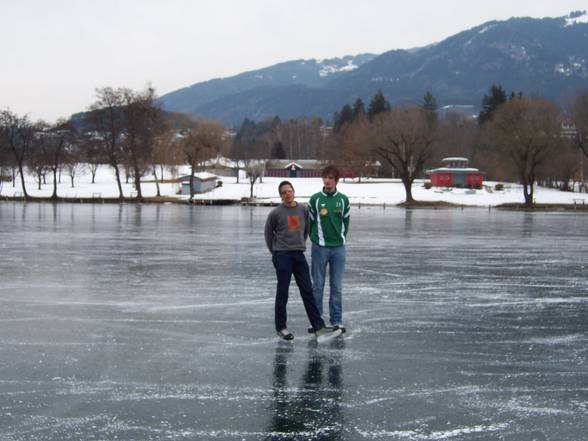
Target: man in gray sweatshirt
[286,231]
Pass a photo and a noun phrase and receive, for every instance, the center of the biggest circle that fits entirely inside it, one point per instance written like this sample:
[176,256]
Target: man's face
[329,182]
[287,194]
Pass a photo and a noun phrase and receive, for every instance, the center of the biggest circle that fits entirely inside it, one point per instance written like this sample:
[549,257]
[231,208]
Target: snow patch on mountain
[574,66]
[576,18]
[485,29]
[480,32]
[330,69]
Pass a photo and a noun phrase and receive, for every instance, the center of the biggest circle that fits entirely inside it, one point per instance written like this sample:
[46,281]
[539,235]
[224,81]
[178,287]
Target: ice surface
[142,322]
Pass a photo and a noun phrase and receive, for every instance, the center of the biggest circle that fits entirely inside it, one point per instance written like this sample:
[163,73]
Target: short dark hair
[331,170]
[282,184]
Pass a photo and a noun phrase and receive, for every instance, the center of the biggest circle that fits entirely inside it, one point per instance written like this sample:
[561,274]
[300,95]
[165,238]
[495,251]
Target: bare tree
[349,146]
[4,162]
[404,138]
[301,138]
[74,169]
[56,139]
[143,123]
[39,157]
[580,118]
[525,130]
[7,164]
[255,163]
[72,163]
[199,143]
[258,140]
[106,120]
[161,155]
[255,170]
[563,167]
[456,136]
[17,134]
[164,154]
[91,151]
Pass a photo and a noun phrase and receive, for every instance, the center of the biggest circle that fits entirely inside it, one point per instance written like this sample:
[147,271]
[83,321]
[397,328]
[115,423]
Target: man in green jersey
[329,224]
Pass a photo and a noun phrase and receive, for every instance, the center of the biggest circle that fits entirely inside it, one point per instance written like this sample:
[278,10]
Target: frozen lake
[156,322]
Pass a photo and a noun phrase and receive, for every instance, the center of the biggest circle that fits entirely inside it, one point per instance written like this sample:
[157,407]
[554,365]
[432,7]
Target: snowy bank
[367,192]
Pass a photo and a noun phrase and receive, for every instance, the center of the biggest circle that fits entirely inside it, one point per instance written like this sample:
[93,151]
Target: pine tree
[345,116]
[378,104]
[358,108]
[247,128]
[491,102]
[429,105]
[429,102]
[278,151]
[276,123]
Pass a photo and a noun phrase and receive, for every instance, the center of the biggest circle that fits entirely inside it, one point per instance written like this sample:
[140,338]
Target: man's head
[286,190]
[330,175]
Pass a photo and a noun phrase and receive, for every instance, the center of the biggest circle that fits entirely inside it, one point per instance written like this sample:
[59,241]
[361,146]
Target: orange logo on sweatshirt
[294,223]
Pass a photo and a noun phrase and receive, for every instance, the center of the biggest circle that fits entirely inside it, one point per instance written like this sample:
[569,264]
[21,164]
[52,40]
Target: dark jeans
[286,264]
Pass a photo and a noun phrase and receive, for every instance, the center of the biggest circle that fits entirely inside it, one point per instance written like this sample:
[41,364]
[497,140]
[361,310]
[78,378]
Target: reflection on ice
[308,407]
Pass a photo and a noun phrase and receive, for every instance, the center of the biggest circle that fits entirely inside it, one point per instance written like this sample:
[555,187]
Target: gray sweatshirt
[286,228]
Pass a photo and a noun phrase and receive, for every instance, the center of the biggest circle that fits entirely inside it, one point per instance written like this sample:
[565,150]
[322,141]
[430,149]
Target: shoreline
[435,205]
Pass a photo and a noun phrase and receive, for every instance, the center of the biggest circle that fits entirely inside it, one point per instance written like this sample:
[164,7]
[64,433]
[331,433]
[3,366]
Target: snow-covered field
[370,191]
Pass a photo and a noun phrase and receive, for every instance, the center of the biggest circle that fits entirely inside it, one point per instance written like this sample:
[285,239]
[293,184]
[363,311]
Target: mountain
[546,57]
[314,74]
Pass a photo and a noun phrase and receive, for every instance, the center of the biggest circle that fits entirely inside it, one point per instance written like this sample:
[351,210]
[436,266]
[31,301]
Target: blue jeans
[334,257]
[286,264]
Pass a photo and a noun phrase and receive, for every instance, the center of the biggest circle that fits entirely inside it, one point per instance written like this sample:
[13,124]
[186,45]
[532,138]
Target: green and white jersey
[329,218]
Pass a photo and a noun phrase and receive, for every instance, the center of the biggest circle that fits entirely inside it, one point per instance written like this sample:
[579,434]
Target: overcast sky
[54,54]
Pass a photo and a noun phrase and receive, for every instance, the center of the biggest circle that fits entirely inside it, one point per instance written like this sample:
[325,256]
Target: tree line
[122,128]
[515,138]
